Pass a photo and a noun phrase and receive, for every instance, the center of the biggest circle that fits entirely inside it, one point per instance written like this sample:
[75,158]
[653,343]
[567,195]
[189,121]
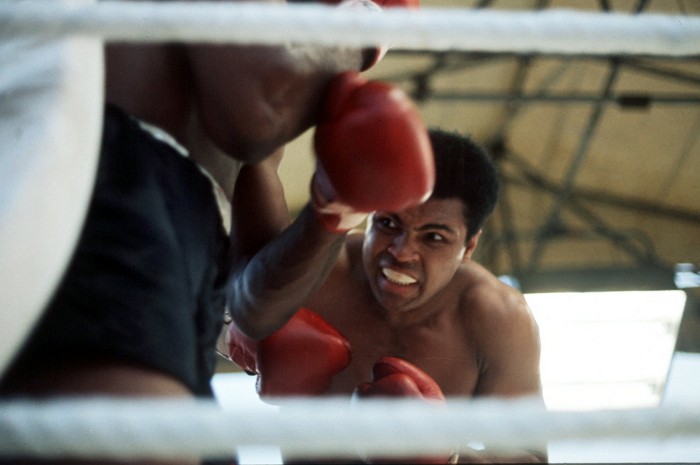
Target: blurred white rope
[103,427]
[552,31]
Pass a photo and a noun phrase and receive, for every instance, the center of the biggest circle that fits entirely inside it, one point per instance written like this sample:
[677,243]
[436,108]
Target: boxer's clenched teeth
[397,278]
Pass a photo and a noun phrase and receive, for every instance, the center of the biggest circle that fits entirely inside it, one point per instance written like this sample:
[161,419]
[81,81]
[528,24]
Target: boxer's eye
[435,237]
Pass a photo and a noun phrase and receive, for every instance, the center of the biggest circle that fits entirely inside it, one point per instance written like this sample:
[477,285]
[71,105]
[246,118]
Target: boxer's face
[409,256]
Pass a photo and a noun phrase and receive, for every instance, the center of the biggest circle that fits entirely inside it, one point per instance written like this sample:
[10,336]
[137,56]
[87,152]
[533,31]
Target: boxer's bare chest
[441,348]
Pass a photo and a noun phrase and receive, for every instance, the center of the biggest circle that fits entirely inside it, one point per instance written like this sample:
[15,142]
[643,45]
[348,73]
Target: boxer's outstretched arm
[276,265]
[373,152]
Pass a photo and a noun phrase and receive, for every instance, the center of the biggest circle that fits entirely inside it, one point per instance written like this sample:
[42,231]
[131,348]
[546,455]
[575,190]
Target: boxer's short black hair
[465,170]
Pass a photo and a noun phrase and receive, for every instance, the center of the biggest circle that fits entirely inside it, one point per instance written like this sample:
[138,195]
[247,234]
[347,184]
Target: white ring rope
[313,428]
[555,31]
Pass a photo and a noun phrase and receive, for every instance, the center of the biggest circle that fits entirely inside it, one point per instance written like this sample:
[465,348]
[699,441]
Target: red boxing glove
[300,359]
[395,377]
[399,3]
[373,151]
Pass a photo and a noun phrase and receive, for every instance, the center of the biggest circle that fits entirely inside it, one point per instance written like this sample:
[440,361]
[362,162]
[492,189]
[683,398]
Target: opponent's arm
[259,207]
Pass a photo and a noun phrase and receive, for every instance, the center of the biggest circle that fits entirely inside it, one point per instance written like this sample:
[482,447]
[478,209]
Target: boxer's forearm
[265,291]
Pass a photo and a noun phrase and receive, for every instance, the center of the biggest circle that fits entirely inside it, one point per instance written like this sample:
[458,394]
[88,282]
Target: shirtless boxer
[407,289]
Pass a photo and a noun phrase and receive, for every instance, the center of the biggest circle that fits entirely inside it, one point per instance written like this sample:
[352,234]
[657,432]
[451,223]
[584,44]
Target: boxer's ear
[471,246]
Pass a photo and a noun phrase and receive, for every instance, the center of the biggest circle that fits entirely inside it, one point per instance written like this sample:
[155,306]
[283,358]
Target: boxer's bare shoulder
[490,310]
[482,290]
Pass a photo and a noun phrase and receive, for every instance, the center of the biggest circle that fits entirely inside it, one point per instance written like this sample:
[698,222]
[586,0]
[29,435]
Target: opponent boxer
[415,314]
[142,301]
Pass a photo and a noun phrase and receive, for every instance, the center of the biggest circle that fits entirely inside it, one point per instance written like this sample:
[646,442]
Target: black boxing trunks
[145,283]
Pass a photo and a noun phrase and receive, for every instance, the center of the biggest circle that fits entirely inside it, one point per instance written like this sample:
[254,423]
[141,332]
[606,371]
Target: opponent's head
[411,255]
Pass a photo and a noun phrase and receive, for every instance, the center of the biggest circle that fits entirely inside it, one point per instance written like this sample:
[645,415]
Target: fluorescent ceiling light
[604,350]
